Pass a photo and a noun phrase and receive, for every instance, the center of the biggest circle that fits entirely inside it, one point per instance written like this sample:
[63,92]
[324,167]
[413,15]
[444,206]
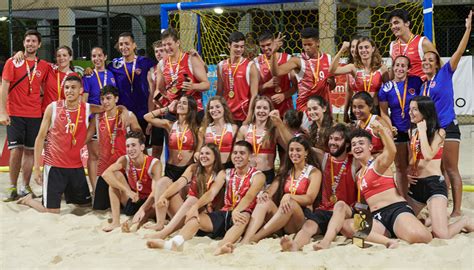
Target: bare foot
[287,244]
[159,243]
[321,245]
[25,200]
[111,227]
[155,227]
[391,244]
[126,227]
[224,249]
[468,224]
[455,214]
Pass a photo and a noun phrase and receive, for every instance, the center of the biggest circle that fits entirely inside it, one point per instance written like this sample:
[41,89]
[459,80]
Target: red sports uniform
[138,180]
[184,66]
[372,183]
[414,51]
[21,102]
[54,86]
[298,186]
[263,66]
[267,147]
[346,189]
[237,187]
[60,150]
[371,81]
[115,131]
[240,72]
[176,134]
[223,141]
[312,80]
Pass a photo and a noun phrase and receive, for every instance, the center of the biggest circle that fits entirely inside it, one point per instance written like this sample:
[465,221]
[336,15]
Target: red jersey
[341,182]
[370,81]
[138,179]
[414,51]
[66,125]
[176,134]
[263,66]
[372,183]
[54,86]
[224,141]
[300,185]
[239,99]
[263,144]
[236,188]
[174,76]
[21,101]
[377,145]
[416,147]
[113,133]
[312,80]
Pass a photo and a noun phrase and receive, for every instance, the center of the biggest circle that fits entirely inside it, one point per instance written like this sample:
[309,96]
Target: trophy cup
[362,225]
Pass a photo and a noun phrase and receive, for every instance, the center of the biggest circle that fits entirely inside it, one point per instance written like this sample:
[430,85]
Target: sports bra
[415,146]
[300,185]
[224,141]
[177,135]
[372,183]
[266,147]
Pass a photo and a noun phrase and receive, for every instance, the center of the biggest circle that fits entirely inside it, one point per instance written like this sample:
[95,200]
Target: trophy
[362,225]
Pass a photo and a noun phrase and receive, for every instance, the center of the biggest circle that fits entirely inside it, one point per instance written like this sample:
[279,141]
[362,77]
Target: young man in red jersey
[20,110]
[64,128]
[237,79]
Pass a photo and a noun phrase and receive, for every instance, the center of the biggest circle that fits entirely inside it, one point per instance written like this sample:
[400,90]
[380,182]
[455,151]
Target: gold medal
[277,89]
[333,198]
[74,141]
[174,90]
[403,114]
[180,157]
[231,94]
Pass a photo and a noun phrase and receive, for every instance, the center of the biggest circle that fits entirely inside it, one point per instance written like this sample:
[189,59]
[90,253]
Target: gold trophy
[362,225]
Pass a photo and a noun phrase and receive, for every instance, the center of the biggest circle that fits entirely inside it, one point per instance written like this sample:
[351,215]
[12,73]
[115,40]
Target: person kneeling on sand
[242,185]
[131,181]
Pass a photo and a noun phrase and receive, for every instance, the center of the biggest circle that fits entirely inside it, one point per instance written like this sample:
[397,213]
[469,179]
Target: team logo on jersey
[432,84]
[388,86]
[117,63]
[411,91]
[138,71]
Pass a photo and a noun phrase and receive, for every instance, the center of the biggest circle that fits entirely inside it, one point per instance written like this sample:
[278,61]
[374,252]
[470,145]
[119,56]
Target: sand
[74,240]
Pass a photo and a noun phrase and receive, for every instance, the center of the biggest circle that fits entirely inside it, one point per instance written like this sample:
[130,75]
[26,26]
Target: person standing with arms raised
[237,79]
[20,109]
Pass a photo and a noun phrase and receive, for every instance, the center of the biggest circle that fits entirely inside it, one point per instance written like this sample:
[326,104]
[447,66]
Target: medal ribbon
[61,85]
[113,135]
[335,180]
[209,181]
[31,76]
[232,73]
[367,89]
[235,191]
[315,74]
[173,73]
[400,101]
[135,174]
[180,138]
[413,147]
[98,78]
[130,79]
[406,48]
[256,146]
[367,121]
[72,128]
[294,186]
[224,129]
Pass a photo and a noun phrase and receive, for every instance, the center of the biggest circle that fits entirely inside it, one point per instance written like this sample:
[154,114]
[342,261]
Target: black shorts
[22,132]
[452,132]
[157,136]
[174,172]
[221,223]
[427,188]
[402,137]
[71,182]
[130,208]
[388,215]
[269,176]
[143,125]
[101,195]
[321,217]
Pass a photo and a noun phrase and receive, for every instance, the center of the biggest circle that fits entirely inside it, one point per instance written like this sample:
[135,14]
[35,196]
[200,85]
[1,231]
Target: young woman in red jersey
[218,127]
[362,107]
[263,133]
[392,215]
[427,186]
[367,70]
[183,140]
[297,187]
[200,177]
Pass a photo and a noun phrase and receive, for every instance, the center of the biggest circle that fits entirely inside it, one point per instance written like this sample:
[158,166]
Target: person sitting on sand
[132,178]
[200,177]
[242,185]
[427,186]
